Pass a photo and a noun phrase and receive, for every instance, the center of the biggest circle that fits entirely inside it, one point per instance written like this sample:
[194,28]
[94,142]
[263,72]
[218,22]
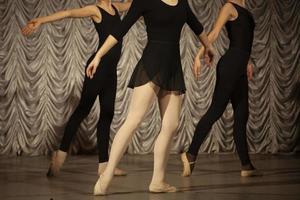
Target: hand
[197,67]
[250,71]
[31,26]
[92,68]
[209,55]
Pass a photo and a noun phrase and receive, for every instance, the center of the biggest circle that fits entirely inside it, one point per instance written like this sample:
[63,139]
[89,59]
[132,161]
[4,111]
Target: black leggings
[103,84]
[231,85]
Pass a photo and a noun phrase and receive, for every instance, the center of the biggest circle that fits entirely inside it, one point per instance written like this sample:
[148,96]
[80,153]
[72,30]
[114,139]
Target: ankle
[248,166]
[191,157]
[157,183]
[61,154]
[157,180]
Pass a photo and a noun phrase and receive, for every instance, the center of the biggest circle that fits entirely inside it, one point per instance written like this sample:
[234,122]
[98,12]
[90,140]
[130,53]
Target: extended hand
[92,68]
[197,67]
[250,71]
[209,55]
[31,26]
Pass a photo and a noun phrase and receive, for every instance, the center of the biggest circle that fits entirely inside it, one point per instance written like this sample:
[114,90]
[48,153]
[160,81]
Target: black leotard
[103,84]
[160,62]
[240,31]
[231,85]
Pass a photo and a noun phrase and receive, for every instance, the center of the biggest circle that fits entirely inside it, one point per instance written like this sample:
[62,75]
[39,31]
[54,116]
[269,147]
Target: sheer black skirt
[160,64]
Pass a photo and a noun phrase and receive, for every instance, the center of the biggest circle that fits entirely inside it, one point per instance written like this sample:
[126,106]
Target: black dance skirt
[160,64]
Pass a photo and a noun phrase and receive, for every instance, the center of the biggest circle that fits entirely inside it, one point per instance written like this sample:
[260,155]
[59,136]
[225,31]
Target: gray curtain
[41,79]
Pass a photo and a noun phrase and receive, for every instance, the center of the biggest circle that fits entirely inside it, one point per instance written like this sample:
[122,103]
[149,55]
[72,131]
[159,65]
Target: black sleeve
[134,13]
[192,20]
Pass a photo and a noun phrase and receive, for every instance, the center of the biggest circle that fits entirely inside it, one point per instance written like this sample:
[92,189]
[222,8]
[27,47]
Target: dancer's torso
[241,30]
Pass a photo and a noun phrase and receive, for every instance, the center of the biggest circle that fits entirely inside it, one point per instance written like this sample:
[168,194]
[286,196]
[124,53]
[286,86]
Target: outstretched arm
[88,11]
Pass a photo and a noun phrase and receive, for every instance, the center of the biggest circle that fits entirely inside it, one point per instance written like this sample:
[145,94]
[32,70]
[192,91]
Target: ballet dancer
[158,73]
[105,16]
[231,84]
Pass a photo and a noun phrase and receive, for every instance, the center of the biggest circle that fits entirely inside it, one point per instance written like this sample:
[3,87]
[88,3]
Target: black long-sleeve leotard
[160,62]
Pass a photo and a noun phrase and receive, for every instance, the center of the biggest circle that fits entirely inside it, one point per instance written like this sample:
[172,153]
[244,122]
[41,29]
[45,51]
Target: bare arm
[109,43]
[88,11]
[227,12]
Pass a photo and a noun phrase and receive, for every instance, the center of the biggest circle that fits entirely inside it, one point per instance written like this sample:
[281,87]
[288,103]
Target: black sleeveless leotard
[160,62]
[103,84]
[231,85]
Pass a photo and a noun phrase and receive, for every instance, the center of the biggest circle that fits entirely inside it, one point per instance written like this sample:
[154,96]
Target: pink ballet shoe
[188,166]
[57,160]
[100,189]
[251,173]
[162,188]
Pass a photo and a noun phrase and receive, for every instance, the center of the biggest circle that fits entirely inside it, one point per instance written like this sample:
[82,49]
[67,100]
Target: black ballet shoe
[50,172]
[188,164]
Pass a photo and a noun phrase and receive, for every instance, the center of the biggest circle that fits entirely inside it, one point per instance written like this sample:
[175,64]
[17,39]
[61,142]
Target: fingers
[28,29]
[250,71]
[196,69]
[208,58]
[198,72]
[88,71]
[250,76]
[91,70]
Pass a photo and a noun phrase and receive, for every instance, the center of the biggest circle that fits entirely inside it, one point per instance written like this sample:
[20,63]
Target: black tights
[103,84]
[229,87]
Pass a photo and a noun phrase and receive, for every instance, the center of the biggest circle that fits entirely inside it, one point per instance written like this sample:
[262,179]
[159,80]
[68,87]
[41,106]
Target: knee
[106,114]
[170,126]
[132,122]
[215,111]
[81,111]
[242,115]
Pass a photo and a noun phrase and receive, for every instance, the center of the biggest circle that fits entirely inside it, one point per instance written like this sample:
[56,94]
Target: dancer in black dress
[159,72]
[231,84]
[105,17]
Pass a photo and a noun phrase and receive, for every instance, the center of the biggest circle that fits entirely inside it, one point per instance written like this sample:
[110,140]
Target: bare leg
[170,105]
[142,98]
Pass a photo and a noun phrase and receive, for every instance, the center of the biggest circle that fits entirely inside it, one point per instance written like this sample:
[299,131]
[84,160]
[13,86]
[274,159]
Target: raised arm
[88,11]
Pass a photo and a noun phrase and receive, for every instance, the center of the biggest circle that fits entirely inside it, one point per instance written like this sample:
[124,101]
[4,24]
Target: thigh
[89,93]
[141,100]
[239,98]
[107,94]
[170,106]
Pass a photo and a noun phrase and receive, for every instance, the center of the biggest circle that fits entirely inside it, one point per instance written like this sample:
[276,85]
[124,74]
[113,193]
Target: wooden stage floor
[216,177]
